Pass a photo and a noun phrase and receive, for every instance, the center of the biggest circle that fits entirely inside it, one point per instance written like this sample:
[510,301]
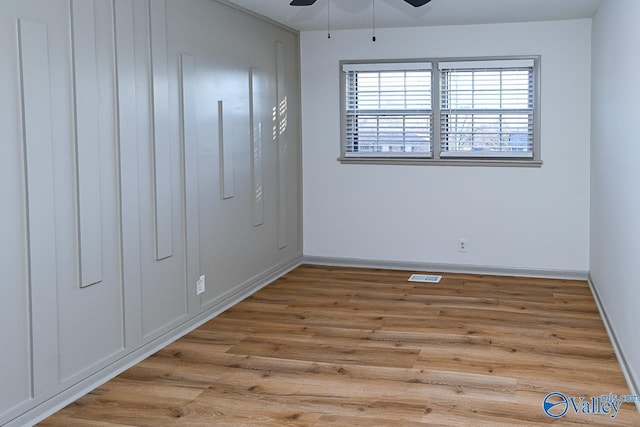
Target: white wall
[535,218]
[615,171]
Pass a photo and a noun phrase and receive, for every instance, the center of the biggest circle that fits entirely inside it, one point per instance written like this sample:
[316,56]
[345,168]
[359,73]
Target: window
[486,109]
[388,110]
[466,111]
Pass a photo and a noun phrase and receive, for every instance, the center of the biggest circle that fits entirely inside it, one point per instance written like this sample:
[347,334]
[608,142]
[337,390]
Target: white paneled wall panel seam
[87,140]
[37,139]
[282,106]
[256,127]
[161,145]
[126,125]
[189,138]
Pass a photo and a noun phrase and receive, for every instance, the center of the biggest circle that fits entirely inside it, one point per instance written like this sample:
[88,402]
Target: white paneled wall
[111,175]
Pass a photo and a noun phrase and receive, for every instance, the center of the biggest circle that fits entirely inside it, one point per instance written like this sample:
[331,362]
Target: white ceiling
[352,14]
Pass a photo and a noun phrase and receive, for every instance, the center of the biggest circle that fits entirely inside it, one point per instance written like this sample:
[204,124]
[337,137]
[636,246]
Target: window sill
[440,162]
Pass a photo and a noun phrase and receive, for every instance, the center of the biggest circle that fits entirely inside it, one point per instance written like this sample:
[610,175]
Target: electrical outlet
[462,245]
[200,285]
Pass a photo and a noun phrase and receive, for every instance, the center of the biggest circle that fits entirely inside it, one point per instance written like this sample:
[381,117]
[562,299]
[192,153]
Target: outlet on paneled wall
[200,285]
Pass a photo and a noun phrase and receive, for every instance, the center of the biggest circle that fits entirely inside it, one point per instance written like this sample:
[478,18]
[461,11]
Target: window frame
[435,157]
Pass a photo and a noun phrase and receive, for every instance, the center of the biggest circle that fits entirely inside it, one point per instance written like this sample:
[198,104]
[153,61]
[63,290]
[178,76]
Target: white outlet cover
[200,285]
[425,278]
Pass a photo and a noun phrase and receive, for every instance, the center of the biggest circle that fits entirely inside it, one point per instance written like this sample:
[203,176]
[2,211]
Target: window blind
[486,109]
[388,110]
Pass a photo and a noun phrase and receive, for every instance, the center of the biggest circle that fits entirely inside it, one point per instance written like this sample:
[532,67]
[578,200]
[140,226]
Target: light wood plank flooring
[327,346]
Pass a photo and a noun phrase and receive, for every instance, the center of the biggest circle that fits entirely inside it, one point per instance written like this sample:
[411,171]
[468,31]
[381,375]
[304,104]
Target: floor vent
[426,278]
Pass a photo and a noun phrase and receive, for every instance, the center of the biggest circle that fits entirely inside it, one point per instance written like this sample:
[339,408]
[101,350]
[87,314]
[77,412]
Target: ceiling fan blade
[302,2]
[417,3]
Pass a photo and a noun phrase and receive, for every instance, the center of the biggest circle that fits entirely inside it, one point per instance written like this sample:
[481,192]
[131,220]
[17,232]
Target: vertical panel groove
[225,142]
[126,117]
[191,188]
[281,124]
[37,142]
[87,140]
[255,123]
[160,129]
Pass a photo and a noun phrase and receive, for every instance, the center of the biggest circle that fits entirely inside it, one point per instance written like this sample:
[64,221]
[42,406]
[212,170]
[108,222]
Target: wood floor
[327,346]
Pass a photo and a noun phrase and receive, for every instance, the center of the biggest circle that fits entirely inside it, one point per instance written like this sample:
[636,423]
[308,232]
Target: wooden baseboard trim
[446,268]
[45,409]
[629,376]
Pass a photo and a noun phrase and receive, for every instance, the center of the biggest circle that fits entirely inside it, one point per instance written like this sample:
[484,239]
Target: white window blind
[487,109]
[388,111]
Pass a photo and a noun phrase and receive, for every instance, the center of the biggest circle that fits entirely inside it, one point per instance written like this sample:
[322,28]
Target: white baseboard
[629,376]
[49,407]
[446,268]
